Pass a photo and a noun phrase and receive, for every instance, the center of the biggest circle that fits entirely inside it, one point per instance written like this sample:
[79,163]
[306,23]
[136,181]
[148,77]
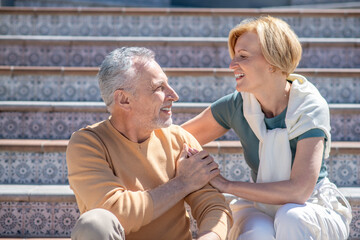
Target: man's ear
[121,99]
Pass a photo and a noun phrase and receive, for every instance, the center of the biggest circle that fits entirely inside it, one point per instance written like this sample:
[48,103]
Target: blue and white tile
[236,168]
[6,159]
[24,167]
[51,168]
[35,125]
[65,216]
[11,219]
[345,169]
[11,125]
[37,219]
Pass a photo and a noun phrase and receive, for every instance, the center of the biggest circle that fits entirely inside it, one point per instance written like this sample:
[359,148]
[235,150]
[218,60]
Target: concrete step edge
[159,40]
[65,106]
[214,147]
[63,193]
[184,11]
[92,71]
[36,193]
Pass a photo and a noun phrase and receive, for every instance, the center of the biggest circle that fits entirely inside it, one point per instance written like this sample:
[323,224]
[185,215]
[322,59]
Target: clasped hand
[196,168]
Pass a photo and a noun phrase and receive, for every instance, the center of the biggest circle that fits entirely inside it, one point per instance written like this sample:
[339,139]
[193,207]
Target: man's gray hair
[117,71]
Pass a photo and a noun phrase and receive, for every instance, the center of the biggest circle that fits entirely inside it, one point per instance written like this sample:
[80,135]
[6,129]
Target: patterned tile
[159,25]
[24,167]
[37,219]
[11,219]
[11,125]
[52,168]
[355,223]
[60,125]
[345,169]
[189,88]
[236,168]
[33,168]
[171,55]
[6,159]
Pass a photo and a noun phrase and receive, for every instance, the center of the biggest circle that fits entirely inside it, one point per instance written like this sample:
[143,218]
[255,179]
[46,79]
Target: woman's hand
[220,183]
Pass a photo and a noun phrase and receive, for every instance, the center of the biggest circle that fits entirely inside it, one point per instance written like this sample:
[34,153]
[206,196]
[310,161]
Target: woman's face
[249,65]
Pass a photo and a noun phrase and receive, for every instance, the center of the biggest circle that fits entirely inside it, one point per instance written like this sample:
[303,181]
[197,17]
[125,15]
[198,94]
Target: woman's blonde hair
[279,44]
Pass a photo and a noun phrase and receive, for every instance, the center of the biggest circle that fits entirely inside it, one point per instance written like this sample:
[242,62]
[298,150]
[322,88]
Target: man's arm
[96,186]
[209,208]
[192,173]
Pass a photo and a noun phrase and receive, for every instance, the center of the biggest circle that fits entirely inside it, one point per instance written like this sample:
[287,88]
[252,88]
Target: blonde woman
[284,128]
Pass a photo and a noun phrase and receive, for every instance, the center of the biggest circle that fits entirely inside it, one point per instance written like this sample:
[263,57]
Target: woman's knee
[289,215]
[98,224]
[295,221]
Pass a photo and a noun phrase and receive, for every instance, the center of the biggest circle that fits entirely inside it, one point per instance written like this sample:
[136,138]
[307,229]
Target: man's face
[153,99]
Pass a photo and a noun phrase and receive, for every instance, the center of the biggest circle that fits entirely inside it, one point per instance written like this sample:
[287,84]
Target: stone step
[170,51]
[36,83]
[40,211]
[57,120]
[170,22]
[34,161]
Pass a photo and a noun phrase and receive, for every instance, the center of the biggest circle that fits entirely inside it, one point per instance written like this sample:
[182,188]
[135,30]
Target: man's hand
[195,169]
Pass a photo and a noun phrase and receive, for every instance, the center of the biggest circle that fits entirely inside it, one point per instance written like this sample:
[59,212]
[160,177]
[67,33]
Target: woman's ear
[121,99]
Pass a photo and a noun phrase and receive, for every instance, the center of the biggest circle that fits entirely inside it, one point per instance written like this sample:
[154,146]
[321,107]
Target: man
[132,173]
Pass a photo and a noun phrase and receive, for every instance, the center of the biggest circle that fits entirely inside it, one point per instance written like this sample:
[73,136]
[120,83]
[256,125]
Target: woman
[284,128]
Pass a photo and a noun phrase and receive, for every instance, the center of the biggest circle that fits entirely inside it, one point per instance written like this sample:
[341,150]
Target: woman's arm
[204,127]
[298,189]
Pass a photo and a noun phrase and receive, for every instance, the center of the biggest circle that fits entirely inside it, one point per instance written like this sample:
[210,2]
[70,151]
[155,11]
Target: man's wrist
[183,185]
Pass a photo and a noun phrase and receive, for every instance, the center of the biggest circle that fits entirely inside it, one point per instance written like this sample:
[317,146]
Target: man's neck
[129,130]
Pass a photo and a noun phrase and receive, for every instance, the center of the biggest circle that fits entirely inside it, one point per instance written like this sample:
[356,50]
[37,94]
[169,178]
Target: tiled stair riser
[48,219]
[50,167]
[60,125]
[209,88]
[167,54]
[167,25]
[37,219]
[42,219]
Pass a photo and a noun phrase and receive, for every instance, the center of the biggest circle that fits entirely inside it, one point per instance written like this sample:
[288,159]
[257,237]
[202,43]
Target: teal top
[228,112]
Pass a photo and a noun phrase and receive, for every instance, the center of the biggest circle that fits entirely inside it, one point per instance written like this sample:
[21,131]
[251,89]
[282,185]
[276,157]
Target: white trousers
[310,221]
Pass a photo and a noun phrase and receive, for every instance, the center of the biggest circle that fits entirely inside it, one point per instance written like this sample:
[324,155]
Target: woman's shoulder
[233,99]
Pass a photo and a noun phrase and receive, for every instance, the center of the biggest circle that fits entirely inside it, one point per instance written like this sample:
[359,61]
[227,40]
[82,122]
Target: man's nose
[172,94]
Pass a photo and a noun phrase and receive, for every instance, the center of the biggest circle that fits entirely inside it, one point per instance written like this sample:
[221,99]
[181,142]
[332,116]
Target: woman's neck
[274,98]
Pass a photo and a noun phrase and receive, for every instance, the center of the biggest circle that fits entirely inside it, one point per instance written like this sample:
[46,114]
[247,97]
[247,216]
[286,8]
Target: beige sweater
[108,171]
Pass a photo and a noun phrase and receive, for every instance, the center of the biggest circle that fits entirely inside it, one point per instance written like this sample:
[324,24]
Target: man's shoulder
[177,134]
[175,130]
[93,129]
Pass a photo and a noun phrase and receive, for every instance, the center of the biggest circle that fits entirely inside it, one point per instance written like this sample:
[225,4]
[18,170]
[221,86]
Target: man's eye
[159,88]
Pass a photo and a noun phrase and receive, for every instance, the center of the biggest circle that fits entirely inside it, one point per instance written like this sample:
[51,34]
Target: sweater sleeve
[95,185]
[210,210]
[208,205]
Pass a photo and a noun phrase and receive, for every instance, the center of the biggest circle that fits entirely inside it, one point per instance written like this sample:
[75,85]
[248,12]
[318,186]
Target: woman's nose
[233,64]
